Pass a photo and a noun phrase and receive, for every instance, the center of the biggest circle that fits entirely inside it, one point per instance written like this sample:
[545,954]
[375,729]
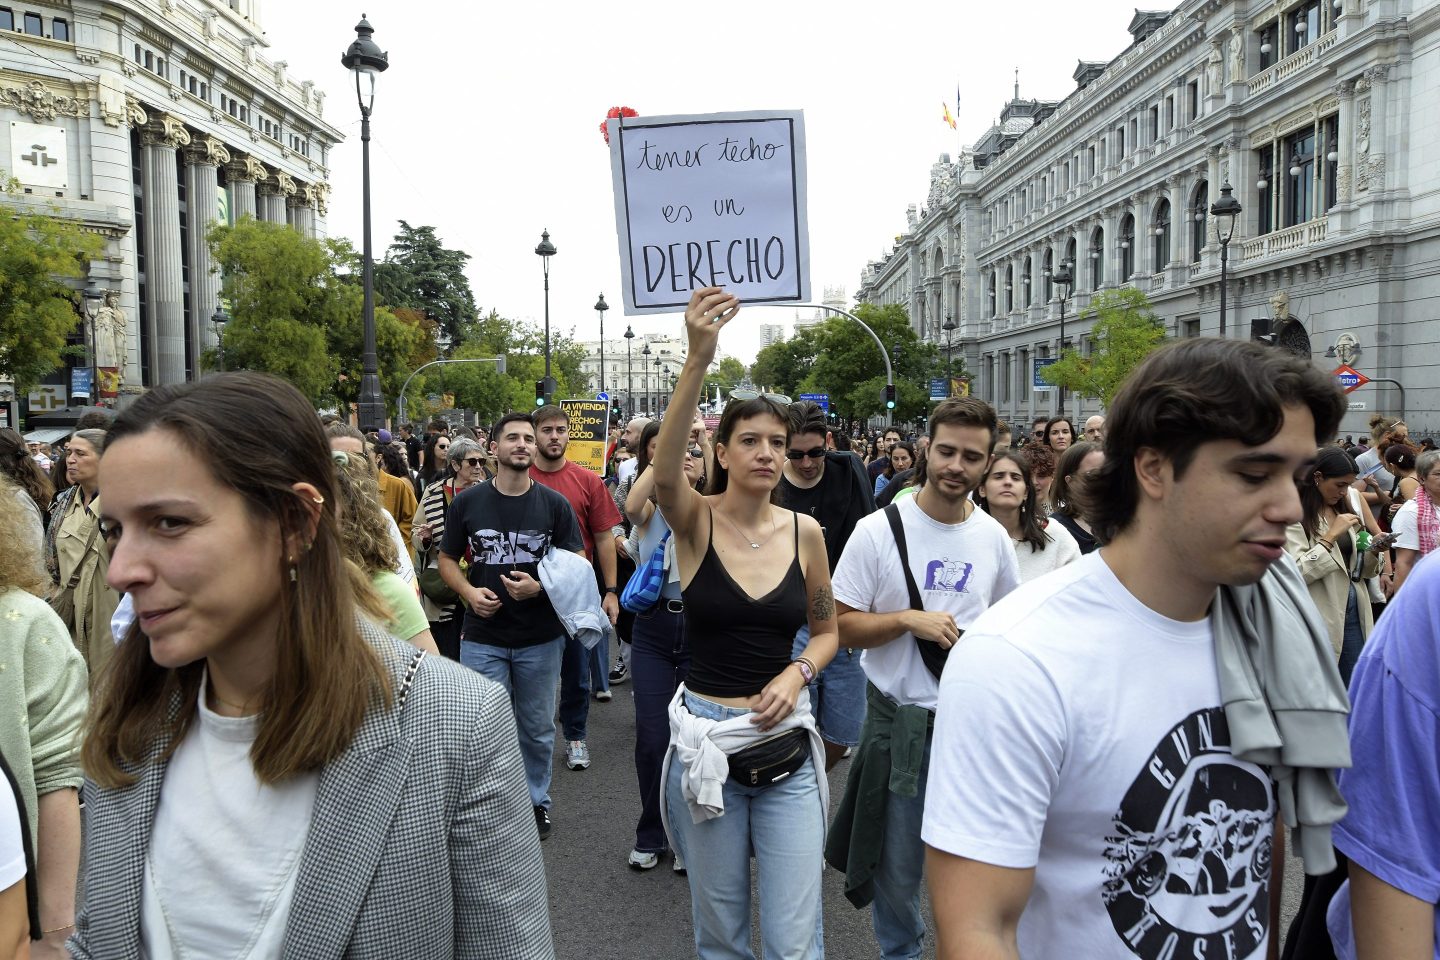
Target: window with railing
[1161,232]
[1297,179]
[1025,284]
[1097,258]
[1127,248]
[1199,209]
[1010,288]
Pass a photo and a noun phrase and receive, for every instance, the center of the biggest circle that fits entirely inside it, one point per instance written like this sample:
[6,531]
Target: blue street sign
[80,381]
[602,396]
[938,388]
[823,399]
[1039,382]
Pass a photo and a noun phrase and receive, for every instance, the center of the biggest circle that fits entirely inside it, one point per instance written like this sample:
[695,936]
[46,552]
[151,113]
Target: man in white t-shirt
[1083,799]
[631,436]
[960,562]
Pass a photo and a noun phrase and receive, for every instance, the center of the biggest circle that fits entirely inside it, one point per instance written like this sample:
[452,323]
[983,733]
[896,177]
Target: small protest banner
[588,420]
[710,200]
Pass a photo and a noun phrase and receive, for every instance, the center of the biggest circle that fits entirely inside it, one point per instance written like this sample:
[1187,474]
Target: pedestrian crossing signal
[889,396]
[539,393]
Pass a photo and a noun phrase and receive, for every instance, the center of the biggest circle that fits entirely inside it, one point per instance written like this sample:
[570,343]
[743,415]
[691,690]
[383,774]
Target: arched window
[1010,288]
[1161,231]
[1025,283]
[1097,258]
[1199,209]
[993,311]
[1048,271]
[1127,248]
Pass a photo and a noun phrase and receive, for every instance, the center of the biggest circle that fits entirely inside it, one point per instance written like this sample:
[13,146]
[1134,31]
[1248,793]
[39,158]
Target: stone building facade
[1316,112]
[145,121]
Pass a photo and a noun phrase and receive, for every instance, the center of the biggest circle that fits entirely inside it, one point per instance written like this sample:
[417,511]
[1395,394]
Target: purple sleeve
[1393,789]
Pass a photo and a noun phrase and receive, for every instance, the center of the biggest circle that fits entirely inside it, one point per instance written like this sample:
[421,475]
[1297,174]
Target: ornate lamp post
[218,320]
[1228,208]
[545,250]
[629,383]
[94,298]
[600,307]
[367,61]
[949,327]
[658,390]
[1064,278]
[645,381]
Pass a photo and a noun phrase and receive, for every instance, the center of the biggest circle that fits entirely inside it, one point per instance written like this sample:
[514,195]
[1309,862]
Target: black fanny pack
[770,760]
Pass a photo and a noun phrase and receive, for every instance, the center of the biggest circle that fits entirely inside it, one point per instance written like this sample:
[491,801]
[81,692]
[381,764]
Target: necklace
[233,706]
[746,537]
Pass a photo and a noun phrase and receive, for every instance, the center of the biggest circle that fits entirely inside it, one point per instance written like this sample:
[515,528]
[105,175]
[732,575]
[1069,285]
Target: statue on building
[111,334]
[1280,309]
[1237,57]
[1213,69]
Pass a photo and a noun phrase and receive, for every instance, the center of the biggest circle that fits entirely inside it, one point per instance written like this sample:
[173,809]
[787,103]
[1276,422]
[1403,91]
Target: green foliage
[848,365]
[1126,330]
[783,365]
[421,274]
[37,309]
[295,313]
[727,375]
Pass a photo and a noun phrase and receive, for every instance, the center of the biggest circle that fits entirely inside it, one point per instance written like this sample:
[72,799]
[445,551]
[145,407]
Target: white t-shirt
[1060,551]
[627,470]
[404,566]
[1406,524]
[1383,477]
[12,844]
[1080,733]
[959,568]
[225,848]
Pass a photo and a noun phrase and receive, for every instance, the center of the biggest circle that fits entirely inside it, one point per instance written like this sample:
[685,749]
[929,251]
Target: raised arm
[638,506]
[710,309]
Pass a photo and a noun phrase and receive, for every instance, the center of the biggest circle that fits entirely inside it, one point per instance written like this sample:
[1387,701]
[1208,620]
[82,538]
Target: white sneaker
[679,865]
[577,755]
[639,860]
[603,696]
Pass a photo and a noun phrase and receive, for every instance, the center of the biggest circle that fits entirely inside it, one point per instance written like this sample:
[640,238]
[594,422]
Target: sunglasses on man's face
[753,394]
[814,453]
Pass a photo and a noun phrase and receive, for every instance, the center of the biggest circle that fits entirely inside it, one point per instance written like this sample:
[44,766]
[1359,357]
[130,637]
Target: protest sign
[587,420]
[710,200]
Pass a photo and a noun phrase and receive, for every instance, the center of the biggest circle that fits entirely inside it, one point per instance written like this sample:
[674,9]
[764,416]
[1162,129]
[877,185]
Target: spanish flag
[949,117]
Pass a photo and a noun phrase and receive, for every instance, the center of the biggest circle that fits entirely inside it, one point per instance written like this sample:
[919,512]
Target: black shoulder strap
[930,653]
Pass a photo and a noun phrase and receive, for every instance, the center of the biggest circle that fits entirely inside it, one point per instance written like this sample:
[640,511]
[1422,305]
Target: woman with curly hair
[31,487]
[367,543]
[44,678]
[1041,461]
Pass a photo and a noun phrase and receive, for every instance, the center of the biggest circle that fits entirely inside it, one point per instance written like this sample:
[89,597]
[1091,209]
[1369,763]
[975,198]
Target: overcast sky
[486,125]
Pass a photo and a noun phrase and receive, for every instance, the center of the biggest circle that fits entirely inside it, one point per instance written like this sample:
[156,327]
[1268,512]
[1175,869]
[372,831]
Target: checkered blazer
[422,842]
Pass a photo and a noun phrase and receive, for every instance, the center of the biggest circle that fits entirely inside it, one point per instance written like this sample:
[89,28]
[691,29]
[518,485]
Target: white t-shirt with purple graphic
[960,568]
[1080,733]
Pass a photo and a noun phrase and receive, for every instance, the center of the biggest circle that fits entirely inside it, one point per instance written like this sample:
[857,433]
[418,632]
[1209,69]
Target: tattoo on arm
[823,606]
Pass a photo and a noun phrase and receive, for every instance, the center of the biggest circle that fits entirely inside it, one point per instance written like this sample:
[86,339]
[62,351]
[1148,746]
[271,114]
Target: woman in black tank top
[751,575]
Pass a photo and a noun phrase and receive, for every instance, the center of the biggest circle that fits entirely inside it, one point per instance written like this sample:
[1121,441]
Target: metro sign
[1349,378]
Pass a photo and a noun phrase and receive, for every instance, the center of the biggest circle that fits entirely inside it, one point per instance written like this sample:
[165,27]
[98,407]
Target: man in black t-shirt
[511,633]
[832,488]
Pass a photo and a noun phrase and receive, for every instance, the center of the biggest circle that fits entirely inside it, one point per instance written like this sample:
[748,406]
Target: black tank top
[739,643]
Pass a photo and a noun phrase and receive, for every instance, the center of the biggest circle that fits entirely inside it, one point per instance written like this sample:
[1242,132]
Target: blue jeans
[785,827]
[659,661]
[581,671]
[837,697]
[899,926]
[1353,640]
[528,675]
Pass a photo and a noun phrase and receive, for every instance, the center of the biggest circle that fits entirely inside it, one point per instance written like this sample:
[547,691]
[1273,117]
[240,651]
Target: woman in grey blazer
[269,774]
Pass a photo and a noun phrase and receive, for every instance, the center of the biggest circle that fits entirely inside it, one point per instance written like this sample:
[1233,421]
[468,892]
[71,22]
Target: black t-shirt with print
[503,533]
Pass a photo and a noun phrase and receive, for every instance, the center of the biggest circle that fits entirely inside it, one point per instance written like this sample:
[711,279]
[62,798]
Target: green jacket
[888,760]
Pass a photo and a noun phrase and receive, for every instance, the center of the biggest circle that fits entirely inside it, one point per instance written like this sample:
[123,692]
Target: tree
[848,366]
[1125,332]
[727,375]
[783,364]
[421,274]
[37,308]
[297,312]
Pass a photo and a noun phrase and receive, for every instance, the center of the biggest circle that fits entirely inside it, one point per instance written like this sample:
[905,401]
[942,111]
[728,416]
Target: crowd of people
[1090,684]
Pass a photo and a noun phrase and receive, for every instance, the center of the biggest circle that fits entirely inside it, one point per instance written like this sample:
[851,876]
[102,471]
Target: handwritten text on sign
[712,200]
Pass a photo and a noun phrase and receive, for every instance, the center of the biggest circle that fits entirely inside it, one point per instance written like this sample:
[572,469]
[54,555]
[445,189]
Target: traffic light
[539,393]
[889,396]
[615,411]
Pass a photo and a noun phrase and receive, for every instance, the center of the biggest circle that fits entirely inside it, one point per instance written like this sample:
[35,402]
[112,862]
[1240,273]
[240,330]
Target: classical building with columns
[146,121]
[1318,113]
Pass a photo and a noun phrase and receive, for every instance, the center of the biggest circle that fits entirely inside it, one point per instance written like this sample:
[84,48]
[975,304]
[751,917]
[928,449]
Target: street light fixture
[218,319]
[629,383]
[600,307]
[545,250]
[658,389]
[366,60]
[949,327]
[94,298]
[1064,279]
[645,381]
[1227,208]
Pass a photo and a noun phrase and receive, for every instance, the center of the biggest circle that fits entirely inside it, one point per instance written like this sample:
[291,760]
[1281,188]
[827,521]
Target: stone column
[164,277]
[1345,135]
[302,211]
[1371,130]
[1179,224]
[274,193]
[243,173]
[1112,248]
[202,160]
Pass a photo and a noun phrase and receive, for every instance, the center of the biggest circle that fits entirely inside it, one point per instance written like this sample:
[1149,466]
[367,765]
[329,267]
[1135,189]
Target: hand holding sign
[710,309]
[706,201]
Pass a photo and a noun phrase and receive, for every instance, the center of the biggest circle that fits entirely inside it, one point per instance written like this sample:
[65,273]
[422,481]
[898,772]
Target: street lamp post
[645,380]
[545,250]
[366,60]
[1228,208]
[218,319]
[949,327]
[1064,278]
[94,297]
[629,382]
[658,391]
[600,307]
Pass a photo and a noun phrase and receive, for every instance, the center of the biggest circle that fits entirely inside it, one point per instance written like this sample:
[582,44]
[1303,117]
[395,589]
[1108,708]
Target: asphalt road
[601,909]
